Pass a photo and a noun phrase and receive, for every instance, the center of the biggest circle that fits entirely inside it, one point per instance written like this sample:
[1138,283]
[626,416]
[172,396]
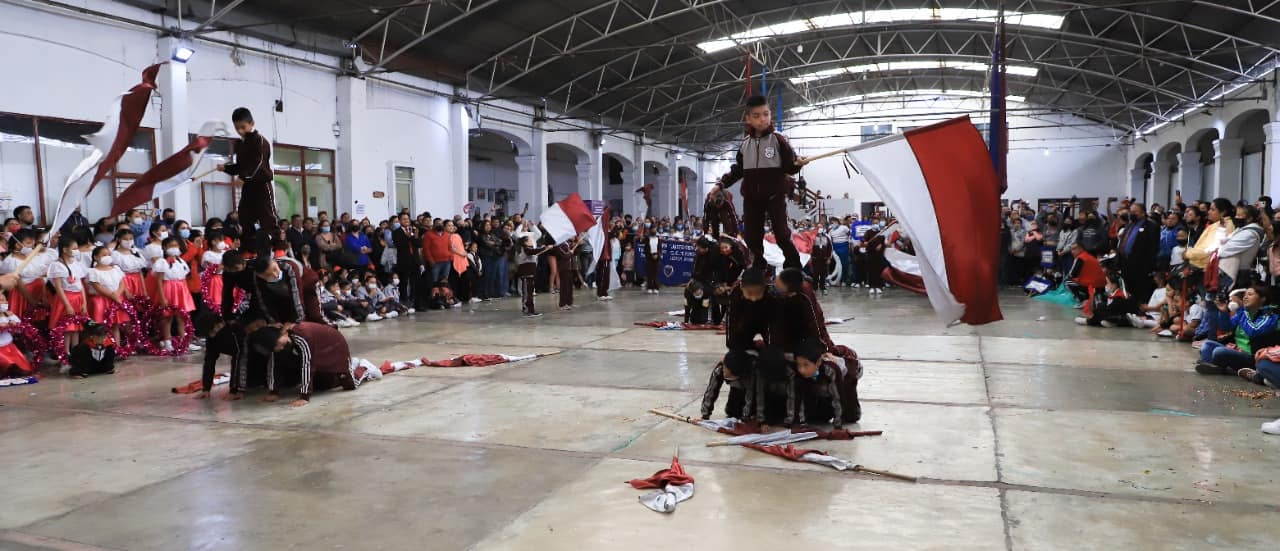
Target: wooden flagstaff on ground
[856,468]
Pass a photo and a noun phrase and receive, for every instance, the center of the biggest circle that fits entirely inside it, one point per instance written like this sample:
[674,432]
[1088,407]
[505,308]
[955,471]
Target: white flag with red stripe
[938,180]
[109,144]
[567,218]
[171,173]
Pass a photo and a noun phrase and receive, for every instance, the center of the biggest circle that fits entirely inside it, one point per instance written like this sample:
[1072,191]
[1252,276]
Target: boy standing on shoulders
[765,164]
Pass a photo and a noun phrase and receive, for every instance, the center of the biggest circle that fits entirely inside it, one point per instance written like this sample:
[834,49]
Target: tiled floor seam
[44,542]
[1246,507]
[1005,521]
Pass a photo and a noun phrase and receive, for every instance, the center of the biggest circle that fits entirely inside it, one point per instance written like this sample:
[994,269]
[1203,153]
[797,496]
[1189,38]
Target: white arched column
[1272,160]
[533,177]
[1227,169]
[1190,184]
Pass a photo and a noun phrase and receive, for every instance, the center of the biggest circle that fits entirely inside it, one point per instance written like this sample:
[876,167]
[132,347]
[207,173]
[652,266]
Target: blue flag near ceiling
[998,129]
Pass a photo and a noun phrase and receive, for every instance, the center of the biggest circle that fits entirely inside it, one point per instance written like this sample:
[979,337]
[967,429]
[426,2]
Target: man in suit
[405,240]
[1138,247]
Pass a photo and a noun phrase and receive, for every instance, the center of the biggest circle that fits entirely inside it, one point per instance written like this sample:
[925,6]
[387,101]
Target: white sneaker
[1106,323]
[392,315]
[475,300]
[413,311]
[1165,333]
[457,305]
[373,317]
[167,346]
[1081,321]
[1135,320]
[1272,427]
[871,292]
[193,347]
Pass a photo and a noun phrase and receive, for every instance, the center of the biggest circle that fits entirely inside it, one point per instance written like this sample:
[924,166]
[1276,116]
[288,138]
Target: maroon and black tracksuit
[257,198]
[765,165]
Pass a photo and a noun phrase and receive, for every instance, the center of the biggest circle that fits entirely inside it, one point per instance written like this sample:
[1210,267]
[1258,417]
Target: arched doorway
[494,173]
[617,173]
[656,176]
[1141,178]
[1166,174]
[1202,142]
[1248,129]
[567,173]
[689,192]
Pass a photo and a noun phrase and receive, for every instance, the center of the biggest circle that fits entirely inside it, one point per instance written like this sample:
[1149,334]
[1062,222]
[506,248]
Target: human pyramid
[781,366]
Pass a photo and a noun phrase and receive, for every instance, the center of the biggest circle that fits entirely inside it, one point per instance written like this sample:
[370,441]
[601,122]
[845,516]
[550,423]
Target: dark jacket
[253,160]
[765,164]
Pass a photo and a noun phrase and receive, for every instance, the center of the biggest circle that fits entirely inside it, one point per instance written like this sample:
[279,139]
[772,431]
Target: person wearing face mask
[328,246]
[106,288]
[193,246]
[820,258]
[30,289]
[126,257]
[1237,254]
[652,246]
[139,224]
[172,272]
[1138,247]
[435,251]
[358,248]
[1219,229]
[211,271]
[67,278]
[1067,237]
[1172,224]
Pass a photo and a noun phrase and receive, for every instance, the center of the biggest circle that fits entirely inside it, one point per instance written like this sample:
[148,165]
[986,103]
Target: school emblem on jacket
[769,152]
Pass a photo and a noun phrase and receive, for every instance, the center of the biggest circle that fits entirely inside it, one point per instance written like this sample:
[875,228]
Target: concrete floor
[1028,434]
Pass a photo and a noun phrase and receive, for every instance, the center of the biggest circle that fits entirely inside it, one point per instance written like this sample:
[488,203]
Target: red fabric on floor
[674,476]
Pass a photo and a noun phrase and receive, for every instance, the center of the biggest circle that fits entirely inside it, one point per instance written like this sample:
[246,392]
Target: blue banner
[677,262]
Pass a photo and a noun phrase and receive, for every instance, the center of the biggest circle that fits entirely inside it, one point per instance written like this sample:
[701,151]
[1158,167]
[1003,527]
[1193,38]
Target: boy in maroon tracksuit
[765,164]
[257,198]
[313,354]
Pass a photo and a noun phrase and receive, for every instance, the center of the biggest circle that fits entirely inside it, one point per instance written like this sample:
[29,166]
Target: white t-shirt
[1176,258]
[1195,312]
[178,271]
[111,279]
[129,263]
[72,275]
[1157,300]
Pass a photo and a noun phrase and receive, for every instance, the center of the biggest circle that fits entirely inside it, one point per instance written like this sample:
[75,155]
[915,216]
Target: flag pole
[851,149]
[39,248]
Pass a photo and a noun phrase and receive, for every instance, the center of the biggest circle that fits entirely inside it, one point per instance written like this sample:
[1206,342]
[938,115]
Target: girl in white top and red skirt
[107,288]
[13,362]
[32,290]
[127,258]
[172,272]
[67,276]
[153,252]
[211,266]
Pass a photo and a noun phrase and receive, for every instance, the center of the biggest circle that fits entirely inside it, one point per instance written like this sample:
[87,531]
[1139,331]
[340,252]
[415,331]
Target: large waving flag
[109,144]
[598,237]
[939,181]
[171,173]
[567,218]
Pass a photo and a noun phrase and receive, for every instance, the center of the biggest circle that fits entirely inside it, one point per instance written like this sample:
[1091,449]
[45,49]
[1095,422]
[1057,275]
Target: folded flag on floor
[567,218]
[939,182]
[19,381]
[673,485]
[801,455]
[677,326]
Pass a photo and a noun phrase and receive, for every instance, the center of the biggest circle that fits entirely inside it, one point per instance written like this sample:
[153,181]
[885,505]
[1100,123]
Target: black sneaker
[536,315]
[1206,368]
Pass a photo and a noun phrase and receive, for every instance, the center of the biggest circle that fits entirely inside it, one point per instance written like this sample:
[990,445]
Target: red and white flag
[171,173]
[939,182]
[567,218]
[109,144]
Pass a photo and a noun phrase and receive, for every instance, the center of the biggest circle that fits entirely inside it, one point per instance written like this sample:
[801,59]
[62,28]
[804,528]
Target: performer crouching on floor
[697,293]
[825,388]
[314,354]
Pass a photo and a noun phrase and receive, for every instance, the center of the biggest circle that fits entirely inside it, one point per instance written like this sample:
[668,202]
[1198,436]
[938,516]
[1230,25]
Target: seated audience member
[95,354]
[824,389]
[313,354]
[391,298]
[1085,277]
[333,311]
[371,293]
[1112,307]
[1176,259]
[1149,314]
[1251,324]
